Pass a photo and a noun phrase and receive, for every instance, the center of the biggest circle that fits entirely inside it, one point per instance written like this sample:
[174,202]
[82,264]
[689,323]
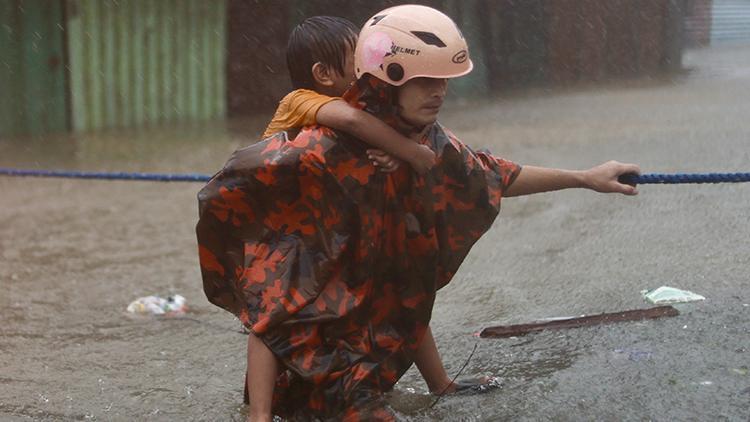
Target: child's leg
[262,370]
[430,365]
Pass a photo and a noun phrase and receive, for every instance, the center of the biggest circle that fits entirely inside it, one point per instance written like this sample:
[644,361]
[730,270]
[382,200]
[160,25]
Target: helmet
[411,41]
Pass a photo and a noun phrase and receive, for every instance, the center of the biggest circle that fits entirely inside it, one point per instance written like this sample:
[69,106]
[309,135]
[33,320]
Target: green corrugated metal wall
[32,77]
[139,62]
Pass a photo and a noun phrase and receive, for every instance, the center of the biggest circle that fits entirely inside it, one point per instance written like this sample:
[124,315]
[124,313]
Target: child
[320,57]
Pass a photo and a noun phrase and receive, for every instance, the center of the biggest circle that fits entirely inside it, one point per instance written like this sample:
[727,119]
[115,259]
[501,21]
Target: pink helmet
[411,41]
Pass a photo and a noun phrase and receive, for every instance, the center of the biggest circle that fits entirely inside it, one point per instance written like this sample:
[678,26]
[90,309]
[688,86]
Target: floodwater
[74,253]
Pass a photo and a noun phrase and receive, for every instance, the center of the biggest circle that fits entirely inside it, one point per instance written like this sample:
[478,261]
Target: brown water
[74,253]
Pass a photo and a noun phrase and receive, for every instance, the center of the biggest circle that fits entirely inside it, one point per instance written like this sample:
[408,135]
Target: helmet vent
[377,19]
[395,72]
[429,38]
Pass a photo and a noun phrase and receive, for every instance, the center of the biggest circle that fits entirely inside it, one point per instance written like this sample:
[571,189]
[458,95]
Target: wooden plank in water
[502,331]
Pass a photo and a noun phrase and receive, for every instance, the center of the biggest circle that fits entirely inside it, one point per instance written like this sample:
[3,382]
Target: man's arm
[602,178]
[340,115]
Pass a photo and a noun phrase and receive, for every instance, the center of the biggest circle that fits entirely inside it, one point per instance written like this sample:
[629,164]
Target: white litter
[155,305]
[665,294]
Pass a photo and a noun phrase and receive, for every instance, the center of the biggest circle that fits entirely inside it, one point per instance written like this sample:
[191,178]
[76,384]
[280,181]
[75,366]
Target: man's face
[420,100]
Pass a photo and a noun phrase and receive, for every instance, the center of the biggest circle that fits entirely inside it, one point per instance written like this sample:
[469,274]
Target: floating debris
[155,305]
[634,354]
[664,295]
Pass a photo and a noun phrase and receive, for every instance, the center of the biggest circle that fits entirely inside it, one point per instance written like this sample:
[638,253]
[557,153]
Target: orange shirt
[299,108]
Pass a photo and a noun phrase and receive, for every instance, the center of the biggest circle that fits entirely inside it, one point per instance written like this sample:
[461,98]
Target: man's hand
[385,162]
[603,178]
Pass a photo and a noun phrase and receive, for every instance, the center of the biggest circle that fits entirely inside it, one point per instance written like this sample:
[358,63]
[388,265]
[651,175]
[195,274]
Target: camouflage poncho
[335,265]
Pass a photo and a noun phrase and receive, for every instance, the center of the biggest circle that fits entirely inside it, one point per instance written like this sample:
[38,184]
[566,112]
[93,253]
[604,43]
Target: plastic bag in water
[665,294]
[155,305]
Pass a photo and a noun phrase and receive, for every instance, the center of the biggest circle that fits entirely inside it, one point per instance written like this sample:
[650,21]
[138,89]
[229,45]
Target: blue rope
[631,179]
[158,177]
[678,178]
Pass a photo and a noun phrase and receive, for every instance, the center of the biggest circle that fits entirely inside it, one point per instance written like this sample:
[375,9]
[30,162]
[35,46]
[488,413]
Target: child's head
[320,54]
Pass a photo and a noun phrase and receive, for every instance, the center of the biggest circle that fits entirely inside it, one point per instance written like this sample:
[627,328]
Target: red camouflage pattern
[335,265]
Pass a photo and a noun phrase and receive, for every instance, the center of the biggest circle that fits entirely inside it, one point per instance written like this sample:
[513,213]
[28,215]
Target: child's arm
[340,115]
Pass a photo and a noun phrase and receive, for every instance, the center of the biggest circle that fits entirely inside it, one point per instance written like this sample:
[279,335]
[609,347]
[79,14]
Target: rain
[174,87]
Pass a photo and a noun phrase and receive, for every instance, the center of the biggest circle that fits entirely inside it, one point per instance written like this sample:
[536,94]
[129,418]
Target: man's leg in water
[431,366]
[262,370]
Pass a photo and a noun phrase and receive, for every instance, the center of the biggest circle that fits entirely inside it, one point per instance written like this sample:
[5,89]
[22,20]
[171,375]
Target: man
[334,266]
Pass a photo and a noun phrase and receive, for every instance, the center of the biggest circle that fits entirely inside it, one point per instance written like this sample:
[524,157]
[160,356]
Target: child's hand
[385,162]
[423,160]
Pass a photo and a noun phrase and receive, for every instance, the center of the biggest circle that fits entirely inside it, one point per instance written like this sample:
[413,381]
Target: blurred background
[84,65]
